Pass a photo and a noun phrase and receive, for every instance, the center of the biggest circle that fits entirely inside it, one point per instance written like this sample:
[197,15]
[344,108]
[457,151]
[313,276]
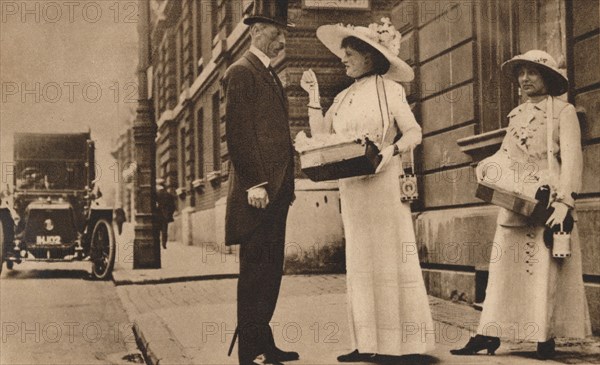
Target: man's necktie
[273,74]
[276,79]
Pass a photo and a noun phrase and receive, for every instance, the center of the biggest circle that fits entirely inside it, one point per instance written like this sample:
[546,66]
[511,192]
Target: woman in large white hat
[388,308]
[531,295]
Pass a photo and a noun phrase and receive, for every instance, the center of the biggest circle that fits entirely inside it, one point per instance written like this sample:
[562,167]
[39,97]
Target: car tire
[103,250]
[1,245]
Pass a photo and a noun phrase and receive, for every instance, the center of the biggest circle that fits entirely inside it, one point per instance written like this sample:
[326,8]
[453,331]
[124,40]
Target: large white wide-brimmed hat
[556,82]
[383,37]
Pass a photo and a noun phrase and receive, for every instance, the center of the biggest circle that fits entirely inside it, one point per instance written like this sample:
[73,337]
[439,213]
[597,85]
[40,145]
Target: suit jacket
[165,202]
[259,143]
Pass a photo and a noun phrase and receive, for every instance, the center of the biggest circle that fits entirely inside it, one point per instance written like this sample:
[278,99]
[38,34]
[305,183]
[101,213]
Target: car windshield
[50,175]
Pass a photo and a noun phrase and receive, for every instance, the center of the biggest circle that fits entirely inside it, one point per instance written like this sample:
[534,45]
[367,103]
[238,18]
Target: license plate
[47,240]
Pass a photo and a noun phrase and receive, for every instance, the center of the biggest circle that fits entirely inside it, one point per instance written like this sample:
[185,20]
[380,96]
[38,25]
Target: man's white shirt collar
[261,56]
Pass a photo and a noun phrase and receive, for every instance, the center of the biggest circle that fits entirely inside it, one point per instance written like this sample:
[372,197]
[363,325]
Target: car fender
[96,213]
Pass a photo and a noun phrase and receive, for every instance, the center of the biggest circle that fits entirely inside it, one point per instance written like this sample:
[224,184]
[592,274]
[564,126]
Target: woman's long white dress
[388,307]
[530,295]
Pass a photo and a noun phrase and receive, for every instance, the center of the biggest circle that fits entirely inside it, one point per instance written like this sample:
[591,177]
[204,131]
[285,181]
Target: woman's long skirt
[388,307]
[530,295]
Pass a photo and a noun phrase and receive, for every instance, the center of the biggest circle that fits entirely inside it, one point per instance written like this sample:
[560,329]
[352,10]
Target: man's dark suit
[165,203]
[261,151]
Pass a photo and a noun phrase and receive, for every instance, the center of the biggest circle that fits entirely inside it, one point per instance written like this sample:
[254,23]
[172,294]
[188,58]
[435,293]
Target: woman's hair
[547,76]
[380,64]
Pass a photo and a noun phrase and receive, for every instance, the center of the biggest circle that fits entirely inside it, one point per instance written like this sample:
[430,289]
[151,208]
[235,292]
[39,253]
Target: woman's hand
[386,156]
[311,86]
[480,172]
[558,216]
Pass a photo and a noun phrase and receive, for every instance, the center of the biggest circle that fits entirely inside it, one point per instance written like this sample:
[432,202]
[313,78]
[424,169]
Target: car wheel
[1,245]
[103,249]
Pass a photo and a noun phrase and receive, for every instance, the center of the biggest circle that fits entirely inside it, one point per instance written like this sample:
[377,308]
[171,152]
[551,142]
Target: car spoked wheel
[103,249]
[1,245]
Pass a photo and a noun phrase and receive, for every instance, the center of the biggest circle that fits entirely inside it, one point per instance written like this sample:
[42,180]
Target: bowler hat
[555,80]
[269,11]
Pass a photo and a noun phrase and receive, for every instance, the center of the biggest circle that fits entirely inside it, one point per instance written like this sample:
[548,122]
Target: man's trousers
[261,269]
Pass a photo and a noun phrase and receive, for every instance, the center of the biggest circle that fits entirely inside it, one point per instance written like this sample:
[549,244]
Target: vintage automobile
[55,213]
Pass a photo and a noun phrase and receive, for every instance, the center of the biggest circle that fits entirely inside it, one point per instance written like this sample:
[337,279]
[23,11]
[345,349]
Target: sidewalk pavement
[191,319]
[178,263]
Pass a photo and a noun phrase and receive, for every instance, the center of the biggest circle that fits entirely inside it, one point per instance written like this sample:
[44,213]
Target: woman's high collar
[538,99]
[365,76]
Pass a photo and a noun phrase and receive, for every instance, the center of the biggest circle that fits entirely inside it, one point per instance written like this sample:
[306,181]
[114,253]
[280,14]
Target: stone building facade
[123,171]
[458,96]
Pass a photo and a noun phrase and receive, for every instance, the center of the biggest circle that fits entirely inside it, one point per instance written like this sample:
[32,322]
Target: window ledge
[213,176]
[181,192]
[482,145]
[198,184]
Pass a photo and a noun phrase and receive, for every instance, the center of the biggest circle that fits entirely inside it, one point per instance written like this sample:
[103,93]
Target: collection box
[338,161]
[513,201]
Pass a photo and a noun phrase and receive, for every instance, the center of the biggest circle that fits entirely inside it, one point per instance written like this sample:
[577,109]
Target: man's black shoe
[284,355]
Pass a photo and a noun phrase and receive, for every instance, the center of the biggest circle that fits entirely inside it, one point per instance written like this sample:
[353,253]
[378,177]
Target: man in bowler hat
[165,204]
[261,181]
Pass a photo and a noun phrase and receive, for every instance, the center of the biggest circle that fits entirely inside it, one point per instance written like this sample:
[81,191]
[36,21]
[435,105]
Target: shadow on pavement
[565,357]
[48,274]
[405,360]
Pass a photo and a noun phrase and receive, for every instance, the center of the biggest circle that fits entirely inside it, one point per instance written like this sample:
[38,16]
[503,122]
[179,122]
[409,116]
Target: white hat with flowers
[383,37]
[556,81]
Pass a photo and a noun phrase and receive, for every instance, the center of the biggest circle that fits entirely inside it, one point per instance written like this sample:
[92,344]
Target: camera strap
[387,124]
[385,112]
[549,134]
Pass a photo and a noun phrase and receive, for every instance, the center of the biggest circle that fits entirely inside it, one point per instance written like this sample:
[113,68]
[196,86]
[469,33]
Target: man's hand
[258,197]
[559,214]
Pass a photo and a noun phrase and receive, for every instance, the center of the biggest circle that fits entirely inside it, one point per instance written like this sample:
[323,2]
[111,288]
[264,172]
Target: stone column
[146,245]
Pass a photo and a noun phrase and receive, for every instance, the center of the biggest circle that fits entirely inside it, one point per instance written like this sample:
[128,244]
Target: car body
[55,213]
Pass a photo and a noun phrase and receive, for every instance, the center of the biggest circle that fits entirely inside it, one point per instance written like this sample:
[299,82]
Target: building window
[191,156]
[182,157]
[179,59]
[198,34]
[216,120]
[200,143]
[214,18]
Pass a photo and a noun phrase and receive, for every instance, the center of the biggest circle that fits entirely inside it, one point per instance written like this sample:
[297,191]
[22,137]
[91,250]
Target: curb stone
[167,350]
[169,280]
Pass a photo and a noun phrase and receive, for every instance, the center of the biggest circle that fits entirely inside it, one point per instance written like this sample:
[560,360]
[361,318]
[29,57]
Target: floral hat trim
[386,35]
